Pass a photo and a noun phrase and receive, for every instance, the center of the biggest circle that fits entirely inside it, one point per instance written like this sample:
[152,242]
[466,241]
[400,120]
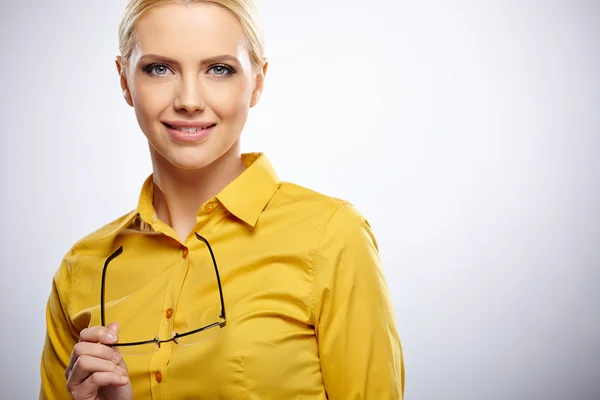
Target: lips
[189,132]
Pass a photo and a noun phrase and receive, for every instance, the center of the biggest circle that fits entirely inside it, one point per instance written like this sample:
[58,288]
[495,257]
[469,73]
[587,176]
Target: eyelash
[229,69]
[149,69]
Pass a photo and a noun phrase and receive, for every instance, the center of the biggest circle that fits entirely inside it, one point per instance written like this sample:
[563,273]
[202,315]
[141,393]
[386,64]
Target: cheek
[150,101]
[230,103]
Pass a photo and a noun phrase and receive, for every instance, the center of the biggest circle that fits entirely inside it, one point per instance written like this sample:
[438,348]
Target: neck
[179,194]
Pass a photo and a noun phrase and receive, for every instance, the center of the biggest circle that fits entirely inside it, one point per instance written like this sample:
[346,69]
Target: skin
[193,86]
[176,74]
[95,370]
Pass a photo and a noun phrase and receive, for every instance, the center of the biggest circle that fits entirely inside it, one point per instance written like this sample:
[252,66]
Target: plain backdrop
[466,131]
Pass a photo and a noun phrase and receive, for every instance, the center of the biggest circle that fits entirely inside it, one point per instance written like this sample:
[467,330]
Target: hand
[97,371]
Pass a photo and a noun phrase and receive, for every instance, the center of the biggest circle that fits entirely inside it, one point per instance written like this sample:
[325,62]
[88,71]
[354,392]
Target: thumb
[114,327]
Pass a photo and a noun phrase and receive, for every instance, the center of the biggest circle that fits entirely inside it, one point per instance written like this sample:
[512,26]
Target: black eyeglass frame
[177,336]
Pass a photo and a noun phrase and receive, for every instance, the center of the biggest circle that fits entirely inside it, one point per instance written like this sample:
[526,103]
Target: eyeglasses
[188,338]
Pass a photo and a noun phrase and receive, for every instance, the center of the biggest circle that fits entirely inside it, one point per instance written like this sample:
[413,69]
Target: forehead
[185,31]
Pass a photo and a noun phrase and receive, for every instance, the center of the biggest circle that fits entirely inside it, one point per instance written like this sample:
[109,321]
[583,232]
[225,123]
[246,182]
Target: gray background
[466,131]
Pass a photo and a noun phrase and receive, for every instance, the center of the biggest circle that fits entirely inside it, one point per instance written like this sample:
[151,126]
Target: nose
[189,96]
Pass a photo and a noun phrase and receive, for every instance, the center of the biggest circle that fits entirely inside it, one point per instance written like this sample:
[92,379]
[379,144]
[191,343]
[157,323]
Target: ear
[260,83]
[121,69]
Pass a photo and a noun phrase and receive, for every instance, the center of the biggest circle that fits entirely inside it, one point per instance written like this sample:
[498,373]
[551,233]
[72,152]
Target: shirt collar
[246,197]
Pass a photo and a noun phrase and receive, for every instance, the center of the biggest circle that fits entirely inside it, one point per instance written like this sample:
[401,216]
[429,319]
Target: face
[191,82]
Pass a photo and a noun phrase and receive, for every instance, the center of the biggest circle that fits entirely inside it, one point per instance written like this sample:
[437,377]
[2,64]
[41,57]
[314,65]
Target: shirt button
[169,313]
[210,206]
[185,252]
[159,376]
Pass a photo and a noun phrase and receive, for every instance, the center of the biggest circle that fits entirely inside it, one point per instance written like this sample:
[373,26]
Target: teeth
[190,130]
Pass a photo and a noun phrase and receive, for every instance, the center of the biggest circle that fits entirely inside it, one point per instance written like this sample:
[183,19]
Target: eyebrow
[223,58]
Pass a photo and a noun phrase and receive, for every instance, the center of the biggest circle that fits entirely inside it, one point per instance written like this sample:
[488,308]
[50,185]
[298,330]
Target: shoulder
[306,199]
[336,216]
[99,240]
[94,243]
[111,228]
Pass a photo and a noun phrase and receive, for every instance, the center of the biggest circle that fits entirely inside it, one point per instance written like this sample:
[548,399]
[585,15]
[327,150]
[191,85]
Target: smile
[190,129]
[189,132]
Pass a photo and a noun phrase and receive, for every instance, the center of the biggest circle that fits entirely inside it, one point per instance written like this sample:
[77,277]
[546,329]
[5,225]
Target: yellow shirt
[308,310]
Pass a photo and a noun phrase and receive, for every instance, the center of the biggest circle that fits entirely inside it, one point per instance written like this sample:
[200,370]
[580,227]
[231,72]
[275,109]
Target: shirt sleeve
[61,336]
[359,346]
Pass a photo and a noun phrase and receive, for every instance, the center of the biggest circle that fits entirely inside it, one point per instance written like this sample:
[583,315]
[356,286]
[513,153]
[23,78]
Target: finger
[90,386]
[93,350]
[87,365]
[95,334]
[118,359]
[98,334]
[114,327]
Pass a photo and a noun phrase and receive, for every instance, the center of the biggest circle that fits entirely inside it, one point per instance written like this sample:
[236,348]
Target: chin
[190,158]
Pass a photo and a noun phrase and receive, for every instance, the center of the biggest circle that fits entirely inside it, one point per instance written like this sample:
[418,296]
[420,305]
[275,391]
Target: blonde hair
[246,11]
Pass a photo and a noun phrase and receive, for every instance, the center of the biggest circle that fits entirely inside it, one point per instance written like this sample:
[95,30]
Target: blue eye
[221,70]
[157,69]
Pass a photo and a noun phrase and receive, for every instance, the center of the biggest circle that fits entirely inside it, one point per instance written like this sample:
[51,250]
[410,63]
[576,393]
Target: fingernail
[116,357]
[111,337]
[121,371]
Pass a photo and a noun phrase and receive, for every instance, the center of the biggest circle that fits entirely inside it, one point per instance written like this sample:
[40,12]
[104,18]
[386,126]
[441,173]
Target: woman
[224,282]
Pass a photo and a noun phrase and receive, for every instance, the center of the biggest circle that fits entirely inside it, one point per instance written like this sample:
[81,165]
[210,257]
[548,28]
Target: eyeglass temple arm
[119,251]
[216,273]
[108,260]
